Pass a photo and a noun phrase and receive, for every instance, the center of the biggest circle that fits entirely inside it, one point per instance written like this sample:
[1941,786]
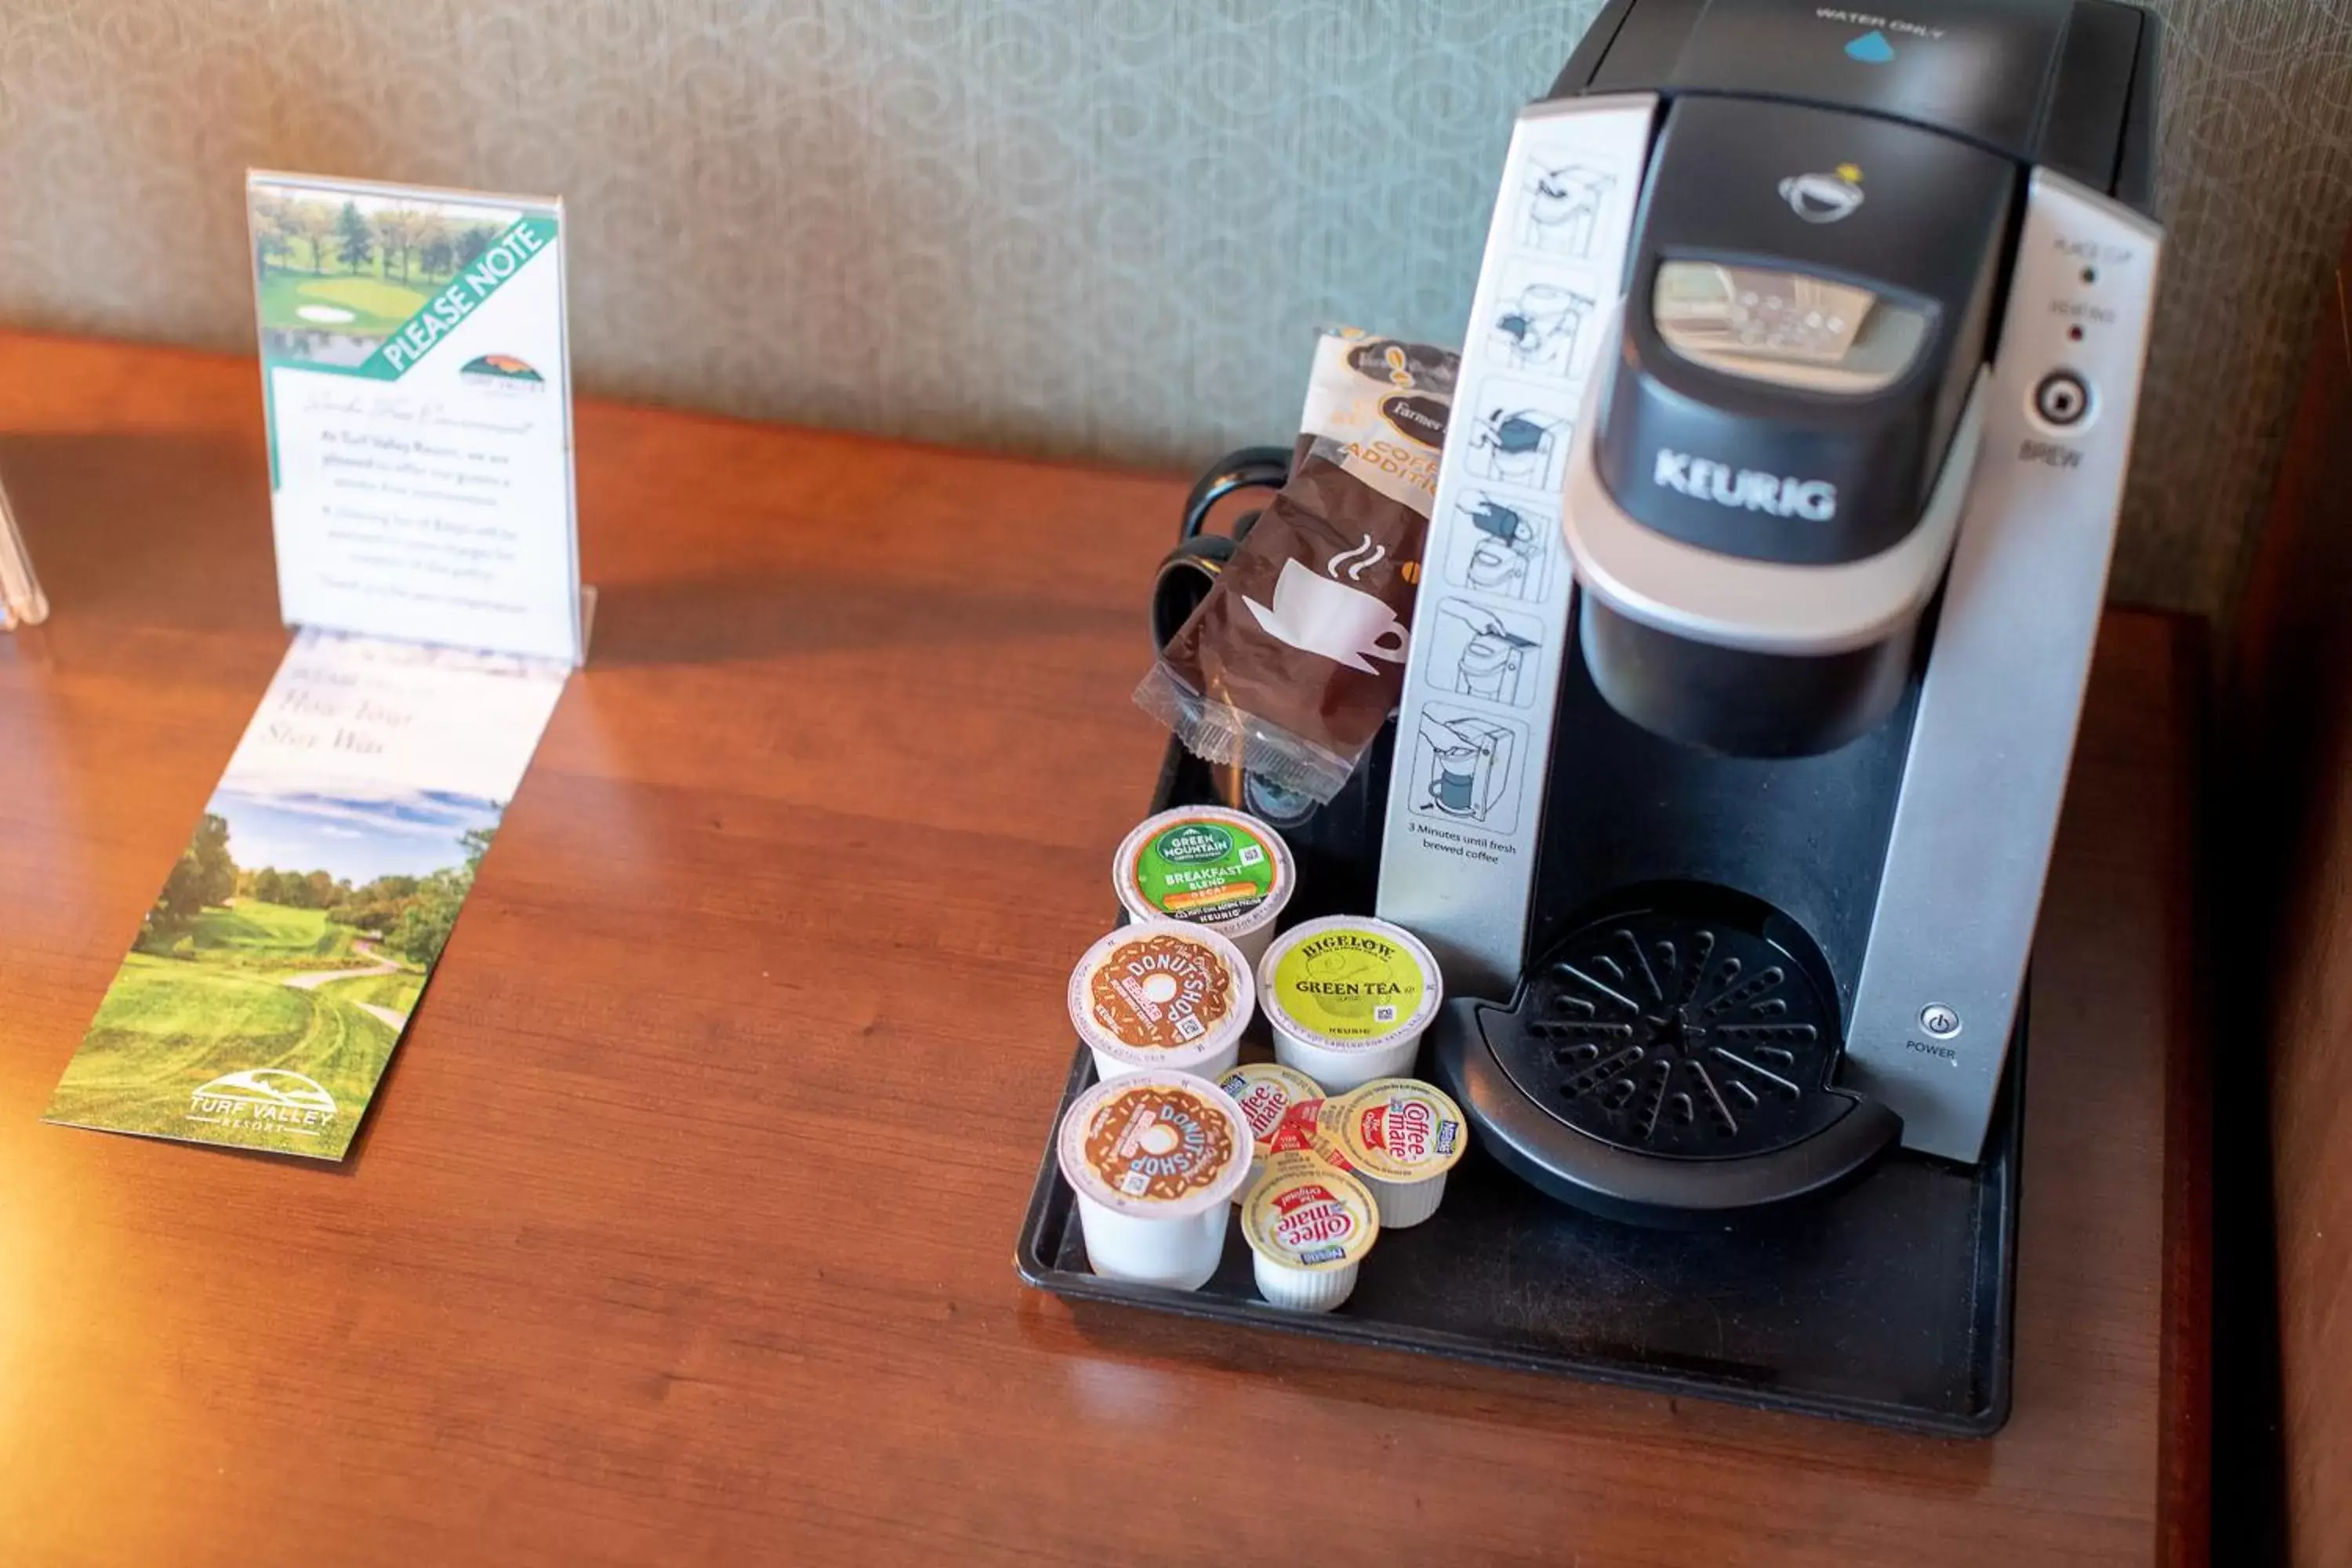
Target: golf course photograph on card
[276,968]
[336,271]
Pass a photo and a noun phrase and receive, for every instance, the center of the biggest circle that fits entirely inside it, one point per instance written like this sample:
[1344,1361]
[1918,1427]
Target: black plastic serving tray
[1889,1303]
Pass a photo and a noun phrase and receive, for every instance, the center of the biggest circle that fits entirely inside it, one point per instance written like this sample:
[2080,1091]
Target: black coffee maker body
[1834,324]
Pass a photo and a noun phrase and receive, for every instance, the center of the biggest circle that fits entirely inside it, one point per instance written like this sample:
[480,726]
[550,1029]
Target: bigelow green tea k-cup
[1206,866]
[1162,995]
[1349,996]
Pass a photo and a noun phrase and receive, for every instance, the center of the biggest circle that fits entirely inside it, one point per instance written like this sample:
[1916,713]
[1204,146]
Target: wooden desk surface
[682,1228]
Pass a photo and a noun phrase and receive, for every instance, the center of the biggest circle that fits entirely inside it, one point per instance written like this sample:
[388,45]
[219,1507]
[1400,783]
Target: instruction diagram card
[418,395]
[278,966]
[1491,625]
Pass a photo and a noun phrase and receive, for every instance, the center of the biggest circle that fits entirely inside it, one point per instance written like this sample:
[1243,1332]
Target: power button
[2062,399]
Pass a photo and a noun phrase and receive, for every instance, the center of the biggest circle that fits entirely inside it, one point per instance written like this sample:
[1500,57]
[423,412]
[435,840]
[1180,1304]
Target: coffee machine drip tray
[1667,1063]
[1887,1300]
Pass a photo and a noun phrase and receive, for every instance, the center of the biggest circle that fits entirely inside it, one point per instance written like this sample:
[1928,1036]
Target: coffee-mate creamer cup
[1308,1224]
[1265,1091]
[1401,1136]
[1155,1159]
[1206,866]
[1348,997]
[1162,995]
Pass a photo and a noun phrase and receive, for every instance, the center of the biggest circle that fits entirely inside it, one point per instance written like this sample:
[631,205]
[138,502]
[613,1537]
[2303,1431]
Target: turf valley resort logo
[502,374]
[274,1097]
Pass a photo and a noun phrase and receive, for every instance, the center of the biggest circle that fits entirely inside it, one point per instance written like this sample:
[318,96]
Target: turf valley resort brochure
[418,405]
[414,377]
[276,970]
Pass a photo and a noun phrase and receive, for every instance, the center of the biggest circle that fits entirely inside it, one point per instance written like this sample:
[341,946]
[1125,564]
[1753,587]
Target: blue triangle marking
[1872,48]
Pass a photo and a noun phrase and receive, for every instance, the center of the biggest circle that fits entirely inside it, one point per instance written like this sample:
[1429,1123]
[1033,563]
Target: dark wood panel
[2291,834]
[682,1228]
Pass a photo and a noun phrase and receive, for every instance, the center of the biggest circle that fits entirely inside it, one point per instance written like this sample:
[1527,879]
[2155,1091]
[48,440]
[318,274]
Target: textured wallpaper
[1099,228]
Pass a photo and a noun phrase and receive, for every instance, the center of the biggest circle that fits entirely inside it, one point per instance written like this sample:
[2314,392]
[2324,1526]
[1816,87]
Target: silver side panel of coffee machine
[1490,623]
[1994,737]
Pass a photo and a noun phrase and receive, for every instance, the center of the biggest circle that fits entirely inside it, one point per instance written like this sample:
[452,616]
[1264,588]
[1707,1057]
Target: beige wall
[1103,228]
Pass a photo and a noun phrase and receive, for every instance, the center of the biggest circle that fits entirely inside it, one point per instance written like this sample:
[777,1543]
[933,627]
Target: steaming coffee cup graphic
[1324,615]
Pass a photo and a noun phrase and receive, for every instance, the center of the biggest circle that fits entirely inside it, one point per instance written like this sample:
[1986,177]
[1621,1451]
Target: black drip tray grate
[1666,1035]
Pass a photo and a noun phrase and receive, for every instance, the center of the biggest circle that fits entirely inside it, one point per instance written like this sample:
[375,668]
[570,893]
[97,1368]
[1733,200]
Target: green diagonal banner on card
[458,298]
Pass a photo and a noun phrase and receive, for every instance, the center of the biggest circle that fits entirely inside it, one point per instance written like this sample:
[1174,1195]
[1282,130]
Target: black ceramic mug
[1187,572]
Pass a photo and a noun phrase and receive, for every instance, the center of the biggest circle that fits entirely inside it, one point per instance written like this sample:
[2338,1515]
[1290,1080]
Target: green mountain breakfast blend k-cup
[1204,864]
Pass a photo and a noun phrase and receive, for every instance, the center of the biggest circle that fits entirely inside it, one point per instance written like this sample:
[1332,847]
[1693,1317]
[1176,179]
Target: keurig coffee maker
[1836,321]
[1748,644]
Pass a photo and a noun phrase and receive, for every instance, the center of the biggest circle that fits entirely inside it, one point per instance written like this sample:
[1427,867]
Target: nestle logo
[1749,489]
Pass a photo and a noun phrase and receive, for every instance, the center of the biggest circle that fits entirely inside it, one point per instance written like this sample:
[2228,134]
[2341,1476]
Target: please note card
[419,402]
[419,411]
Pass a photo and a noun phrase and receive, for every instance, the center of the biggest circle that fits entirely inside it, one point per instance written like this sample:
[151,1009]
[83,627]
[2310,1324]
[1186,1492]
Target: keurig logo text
[1751,490]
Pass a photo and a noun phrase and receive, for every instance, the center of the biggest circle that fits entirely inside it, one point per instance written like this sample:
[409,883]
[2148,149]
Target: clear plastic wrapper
[1295,658]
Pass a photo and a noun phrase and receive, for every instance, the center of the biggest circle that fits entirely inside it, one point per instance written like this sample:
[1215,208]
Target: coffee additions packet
[1295,658]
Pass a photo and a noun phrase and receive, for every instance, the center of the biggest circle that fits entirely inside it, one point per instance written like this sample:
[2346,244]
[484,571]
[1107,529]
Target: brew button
[2062,399]
[1940,1020]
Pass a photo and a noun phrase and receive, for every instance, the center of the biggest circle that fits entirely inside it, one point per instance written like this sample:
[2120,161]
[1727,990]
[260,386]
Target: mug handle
[1185,576]
[1248,467]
